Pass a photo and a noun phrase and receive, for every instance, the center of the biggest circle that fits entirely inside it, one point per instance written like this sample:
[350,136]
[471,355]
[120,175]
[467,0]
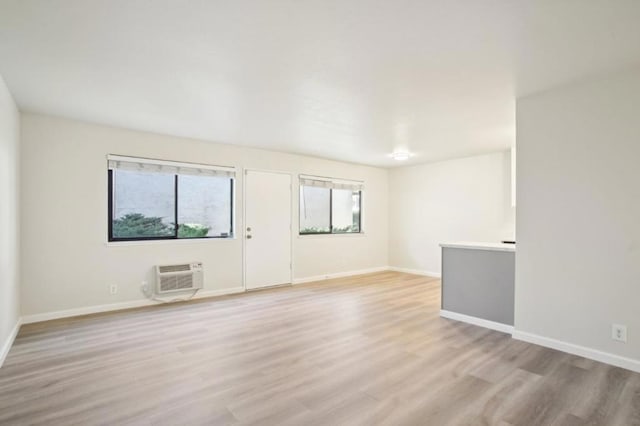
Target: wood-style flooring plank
[365,350]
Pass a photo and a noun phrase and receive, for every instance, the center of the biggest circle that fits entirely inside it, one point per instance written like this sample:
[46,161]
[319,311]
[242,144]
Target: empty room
[346,212]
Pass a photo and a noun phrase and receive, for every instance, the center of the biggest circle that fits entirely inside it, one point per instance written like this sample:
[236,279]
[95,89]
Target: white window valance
[333,183]
[170,167]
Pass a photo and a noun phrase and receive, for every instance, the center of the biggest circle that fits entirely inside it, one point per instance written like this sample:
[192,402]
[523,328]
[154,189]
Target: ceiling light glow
[401,155]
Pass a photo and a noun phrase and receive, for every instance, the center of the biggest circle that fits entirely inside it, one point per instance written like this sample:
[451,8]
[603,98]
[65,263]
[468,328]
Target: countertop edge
[481,246]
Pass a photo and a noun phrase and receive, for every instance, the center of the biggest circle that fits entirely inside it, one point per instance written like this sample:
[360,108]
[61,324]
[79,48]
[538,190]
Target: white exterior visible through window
[330,206]
[157,200]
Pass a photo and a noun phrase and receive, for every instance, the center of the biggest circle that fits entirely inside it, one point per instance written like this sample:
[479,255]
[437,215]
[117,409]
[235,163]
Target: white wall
[467,199]
[578,217]
[9,217]
[67,264]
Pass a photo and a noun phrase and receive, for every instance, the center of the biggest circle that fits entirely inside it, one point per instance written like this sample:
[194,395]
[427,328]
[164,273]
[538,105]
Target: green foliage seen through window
[135,225]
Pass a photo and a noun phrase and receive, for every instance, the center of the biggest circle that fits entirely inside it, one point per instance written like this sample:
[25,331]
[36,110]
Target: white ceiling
[350,80]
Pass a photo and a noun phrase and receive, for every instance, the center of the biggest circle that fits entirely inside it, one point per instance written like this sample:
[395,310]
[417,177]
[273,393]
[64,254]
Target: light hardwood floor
[359,351]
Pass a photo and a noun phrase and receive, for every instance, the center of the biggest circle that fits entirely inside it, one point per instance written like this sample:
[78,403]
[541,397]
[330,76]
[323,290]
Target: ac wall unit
[178,278]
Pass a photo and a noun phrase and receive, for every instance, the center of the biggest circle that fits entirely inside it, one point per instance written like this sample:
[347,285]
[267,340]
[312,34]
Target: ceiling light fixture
[401,155]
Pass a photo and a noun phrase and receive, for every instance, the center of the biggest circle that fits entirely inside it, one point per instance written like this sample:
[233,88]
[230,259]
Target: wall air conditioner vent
[174,268]
[177,278]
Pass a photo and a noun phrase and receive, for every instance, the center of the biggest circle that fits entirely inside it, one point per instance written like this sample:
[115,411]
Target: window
[330,206]
[159,200]
[315,210]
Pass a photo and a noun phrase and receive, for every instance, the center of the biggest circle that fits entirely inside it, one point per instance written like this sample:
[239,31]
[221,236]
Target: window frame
[174,237]
[331,232]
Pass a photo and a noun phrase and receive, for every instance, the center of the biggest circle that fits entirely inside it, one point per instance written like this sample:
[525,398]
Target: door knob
[249,229]
[248,237]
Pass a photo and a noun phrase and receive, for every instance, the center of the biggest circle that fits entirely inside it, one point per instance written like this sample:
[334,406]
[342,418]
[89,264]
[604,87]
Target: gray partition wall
[479,283]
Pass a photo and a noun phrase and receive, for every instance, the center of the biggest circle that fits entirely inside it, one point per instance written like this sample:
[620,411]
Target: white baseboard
[47,316]
[594,354]
[504,328]
[415,271]
[339,275]
[6,346]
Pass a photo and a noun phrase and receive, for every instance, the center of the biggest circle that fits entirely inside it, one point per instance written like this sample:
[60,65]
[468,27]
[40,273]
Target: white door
[267,236]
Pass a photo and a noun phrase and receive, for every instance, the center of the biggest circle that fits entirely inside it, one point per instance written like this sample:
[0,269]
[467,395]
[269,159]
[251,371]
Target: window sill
[342,235]
[163,242]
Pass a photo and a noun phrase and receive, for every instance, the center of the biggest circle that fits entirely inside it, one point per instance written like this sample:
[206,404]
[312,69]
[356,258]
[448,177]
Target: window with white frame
[164,200]
[330,206]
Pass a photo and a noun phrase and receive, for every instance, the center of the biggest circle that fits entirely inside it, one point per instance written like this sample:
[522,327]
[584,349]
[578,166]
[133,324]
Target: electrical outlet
[145,287]
[619,332]
[113,288]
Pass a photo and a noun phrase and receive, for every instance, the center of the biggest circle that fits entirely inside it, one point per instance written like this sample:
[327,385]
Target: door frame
[244,222]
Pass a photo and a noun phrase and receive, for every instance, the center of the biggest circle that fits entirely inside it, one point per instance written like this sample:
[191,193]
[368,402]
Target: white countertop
[480,246]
